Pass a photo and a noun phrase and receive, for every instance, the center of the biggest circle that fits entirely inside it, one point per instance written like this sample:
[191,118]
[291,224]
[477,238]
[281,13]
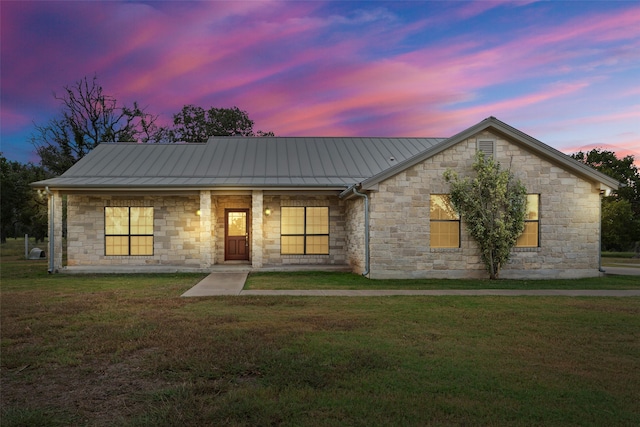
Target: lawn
[126,350]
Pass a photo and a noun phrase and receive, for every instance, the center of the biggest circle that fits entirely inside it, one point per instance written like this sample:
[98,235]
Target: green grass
[340,280]
[107,350]
[625,255]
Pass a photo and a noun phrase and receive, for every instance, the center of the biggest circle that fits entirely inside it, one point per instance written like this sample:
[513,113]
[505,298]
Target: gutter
[52,213]
[353,190]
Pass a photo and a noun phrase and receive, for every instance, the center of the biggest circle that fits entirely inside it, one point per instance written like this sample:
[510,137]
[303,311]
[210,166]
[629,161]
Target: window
[444,222]
[128,231]
[530,237]
[304,231]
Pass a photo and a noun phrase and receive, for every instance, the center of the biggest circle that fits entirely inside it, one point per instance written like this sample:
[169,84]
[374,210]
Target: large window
[444,222]
[304,231]
[128,231]
[530,237]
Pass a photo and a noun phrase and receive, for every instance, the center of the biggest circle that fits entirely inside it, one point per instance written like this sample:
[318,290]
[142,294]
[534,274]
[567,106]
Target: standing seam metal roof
[242,161]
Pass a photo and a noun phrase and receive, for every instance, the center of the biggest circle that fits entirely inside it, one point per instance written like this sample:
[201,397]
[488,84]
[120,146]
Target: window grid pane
[317,245]
[117,245]
[529,237]
[141,245]
[141,220]
[292,245]
[441,208]
[318,220]
[532,207]
[292,220]
[445,234]
[116,220]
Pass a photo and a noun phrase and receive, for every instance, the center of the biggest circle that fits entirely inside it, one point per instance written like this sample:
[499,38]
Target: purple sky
[566,73]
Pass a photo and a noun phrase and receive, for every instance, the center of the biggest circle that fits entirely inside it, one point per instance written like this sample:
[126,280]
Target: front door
[236,232]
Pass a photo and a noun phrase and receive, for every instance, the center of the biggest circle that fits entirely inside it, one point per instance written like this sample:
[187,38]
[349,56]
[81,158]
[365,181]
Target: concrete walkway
[216,284]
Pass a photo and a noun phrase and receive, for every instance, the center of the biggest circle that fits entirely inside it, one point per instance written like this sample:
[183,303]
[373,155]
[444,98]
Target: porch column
[55,207]
[57,230]
[206,240]
[257,235]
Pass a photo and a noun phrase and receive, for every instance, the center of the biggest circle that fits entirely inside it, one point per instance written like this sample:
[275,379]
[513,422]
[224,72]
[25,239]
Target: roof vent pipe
[366,229]
[52,213]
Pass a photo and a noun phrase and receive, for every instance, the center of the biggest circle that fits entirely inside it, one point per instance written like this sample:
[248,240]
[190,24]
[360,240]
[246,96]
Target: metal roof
[336,163]
[241,162]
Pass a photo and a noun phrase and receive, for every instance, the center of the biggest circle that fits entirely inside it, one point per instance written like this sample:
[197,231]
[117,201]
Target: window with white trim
[128,231]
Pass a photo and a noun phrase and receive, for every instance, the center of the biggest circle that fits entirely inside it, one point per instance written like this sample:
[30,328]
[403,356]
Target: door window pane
[237,224]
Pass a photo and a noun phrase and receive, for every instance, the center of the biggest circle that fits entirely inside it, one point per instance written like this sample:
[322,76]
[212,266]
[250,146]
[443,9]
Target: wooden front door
[236,233]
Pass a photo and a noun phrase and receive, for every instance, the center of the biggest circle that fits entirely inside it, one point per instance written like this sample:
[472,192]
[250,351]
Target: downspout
[52,213]
[366,229]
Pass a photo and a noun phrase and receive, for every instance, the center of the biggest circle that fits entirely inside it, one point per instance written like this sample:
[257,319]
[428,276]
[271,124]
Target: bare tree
[87,118]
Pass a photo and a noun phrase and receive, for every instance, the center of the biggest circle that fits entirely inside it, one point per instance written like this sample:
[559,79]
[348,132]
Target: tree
[622,170]
[195,124]
[619,227]
[620,210]
[493,207]
[22,210]
[87,118]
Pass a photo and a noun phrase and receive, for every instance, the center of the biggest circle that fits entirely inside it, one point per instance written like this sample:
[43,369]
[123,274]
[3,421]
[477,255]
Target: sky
[565,72]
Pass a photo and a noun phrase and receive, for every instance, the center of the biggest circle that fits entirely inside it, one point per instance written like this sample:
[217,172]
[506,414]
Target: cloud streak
[312,68]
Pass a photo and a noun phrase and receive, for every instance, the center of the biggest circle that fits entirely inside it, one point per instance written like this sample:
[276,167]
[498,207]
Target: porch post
[206,240]
[56,201]
[257,235]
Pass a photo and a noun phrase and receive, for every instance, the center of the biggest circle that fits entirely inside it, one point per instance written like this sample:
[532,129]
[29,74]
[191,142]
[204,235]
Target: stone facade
[355,234]
[337,232]
[189,231]
[176,235]
[399,215]
[189,227]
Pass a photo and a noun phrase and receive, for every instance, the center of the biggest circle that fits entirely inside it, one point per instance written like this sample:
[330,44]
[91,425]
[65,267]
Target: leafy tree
[195,124]
[87,118]
[618,225]
[22,210]
[622,170]
[493,207]
[621,210]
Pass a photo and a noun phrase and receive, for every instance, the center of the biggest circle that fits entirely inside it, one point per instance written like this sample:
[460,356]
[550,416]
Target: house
[375,206]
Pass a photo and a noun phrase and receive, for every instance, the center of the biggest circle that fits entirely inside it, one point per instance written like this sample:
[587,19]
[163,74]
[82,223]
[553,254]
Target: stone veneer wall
[176,239]
[569,220]
[337,233]
[354,211]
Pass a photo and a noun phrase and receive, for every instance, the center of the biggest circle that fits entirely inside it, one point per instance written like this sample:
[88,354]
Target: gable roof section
[512,134]
[233,162]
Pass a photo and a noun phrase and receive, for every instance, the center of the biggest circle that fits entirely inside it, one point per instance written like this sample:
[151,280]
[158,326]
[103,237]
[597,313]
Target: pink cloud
[12,120]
